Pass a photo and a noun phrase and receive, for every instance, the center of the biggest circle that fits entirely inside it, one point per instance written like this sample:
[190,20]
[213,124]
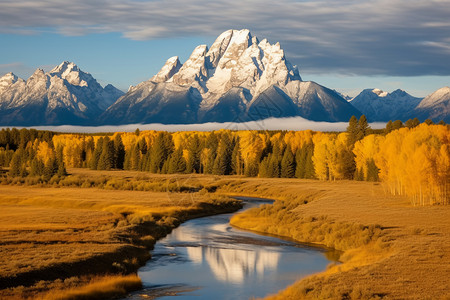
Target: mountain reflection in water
[234,265]
[206,258]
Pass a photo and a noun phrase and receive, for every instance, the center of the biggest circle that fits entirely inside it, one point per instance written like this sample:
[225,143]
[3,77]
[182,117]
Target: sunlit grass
[99,288]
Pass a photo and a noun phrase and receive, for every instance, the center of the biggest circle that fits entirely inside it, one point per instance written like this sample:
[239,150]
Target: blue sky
[346,45]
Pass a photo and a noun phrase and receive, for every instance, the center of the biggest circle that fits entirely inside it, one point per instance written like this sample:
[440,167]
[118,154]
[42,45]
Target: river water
[206,258]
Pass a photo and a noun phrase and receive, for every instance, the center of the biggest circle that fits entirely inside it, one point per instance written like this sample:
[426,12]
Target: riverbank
[392,250]
[77,241]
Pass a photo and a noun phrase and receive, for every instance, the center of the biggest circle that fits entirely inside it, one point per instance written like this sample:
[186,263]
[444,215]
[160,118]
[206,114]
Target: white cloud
[295,123]
[383,37]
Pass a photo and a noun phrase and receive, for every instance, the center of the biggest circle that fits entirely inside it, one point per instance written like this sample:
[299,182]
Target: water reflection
[206,258]
[234,265]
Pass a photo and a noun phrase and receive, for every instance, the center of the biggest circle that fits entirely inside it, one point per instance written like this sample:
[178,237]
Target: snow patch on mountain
[435,106]
[65,95]
[238,78]
[382,106]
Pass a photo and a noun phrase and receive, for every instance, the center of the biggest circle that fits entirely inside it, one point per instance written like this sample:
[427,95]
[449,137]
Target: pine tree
[177,163]
[50,169]
[372,171]
[61,171]
[157,154]
[288,164]
[264,168]
[212,142]
[15,167]
[397,124]
[251,168]
[222,163]
[194,150]
[389,127]
[142,144]
[106,160]
[37,167]
[347,158]
[274,166]
[363,128]
[359,175]
[352,130]
[236,160]
[96,154]
[300,162]
[119,152]
[135,158]
[411,123]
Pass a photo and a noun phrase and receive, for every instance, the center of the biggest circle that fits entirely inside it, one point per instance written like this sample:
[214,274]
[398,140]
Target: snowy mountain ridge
[65,95]
[435,106]
[237,78]
[378,105]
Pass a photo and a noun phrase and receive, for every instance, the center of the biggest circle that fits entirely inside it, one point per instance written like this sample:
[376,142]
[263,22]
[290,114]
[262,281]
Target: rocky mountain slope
[377,105]
[238,78]
[65,95]
[435,106]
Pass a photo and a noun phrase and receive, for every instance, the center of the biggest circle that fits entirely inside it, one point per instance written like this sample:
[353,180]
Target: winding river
[206,258]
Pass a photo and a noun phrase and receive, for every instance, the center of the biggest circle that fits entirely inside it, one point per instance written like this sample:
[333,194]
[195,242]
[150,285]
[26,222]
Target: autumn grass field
[75,242]
[391,250]
[58,240]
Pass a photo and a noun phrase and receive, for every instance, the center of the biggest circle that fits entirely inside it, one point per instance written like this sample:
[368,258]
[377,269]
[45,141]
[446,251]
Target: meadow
[75,241]
[390,249]
[64,237]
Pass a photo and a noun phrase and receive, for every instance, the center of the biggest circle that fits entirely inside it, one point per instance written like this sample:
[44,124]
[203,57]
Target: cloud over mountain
[381,37]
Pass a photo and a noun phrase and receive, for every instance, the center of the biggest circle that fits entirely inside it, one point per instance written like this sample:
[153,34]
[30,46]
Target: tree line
[412,158]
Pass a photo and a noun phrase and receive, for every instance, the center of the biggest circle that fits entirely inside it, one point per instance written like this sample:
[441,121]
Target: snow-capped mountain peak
[64,69]
[171,67]
[439,96]
[7,80]
[65,95]
[383,106]
[194,70]
[435,106]
[235,78]
[73,74]
[379,93]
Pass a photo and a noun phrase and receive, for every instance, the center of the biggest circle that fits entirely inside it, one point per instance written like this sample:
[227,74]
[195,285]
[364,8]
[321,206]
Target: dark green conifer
[389,127]
[237,164]
[119,152]
[288,164]
[177,163]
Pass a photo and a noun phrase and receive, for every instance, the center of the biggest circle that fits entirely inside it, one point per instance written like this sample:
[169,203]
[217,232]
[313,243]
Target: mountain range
[380,106]
[65,95]
[237,79]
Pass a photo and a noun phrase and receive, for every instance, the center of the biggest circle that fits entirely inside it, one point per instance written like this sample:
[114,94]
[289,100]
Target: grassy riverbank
[391,250]
[70,240]
[100,222]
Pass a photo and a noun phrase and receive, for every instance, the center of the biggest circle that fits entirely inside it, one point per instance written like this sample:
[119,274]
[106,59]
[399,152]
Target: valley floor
[406,257]
[56,238]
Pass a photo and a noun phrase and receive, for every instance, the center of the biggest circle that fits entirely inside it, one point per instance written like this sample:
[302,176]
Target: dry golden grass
[99,288]
[392,250]
[49,234]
